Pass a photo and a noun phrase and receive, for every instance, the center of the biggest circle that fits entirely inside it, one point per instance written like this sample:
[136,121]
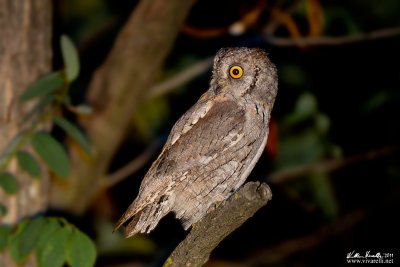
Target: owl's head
[241,71]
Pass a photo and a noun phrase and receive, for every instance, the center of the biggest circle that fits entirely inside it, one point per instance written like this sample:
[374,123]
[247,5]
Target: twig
[325,40]
[182,77]
[273,24]
[328,165]
[216,225]
[132,167]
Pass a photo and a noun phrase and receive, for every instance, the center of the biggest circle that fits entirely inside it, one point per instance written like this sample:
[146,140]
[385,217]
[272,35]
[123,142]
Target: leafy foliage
[9,183]
[80,250]
[52,153]
[51,93]
[44,86]
[28,163]
[71,59]
[74,132]
[24,240]
[53,241]
[310,144]
[11,148]
[5,230]
[52,253]
[3,210]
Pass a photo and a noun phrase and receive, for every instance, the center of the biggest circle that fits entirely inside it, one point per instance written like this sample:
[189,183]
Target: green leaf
[9,183]
[5,231]
[52,253]
[71,59]
[306,108]
[322,193]
[150,117]
[75,133]
[44,86]
[3,210]
[52,153]
[28,163]
[81,251]
[83,109]
[306,105]
[21,243]
[322,123]
[293,74]
[40,105]
[12,146]
[51,227]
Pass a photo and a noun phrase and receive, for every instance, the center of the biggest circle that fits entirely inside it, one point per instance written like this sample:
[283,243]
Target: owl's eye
[236,72]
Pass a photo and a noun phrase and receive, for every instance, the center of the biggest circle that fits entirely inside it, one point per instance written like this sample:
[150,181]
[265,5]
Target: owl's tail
[145,218]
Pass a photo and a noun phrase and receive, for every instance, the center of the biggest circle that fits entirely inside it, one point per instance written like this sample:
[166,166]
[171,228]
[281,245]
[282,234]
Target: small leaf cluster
[53,242]
[310,144]
[51,95]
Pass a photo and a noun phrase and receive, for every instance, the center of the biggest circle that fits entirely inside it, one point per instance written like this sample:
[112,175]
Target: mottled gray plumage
[213,146]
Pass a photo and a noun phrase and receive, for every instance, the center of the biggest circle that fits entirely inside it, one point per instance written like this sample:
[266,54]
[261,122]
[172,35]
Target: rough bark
[205,235]
[25,55]
[116,90]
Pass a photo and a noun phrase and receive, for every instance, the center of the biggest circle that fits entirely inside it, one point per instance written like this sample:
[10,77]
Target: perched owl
[213,147]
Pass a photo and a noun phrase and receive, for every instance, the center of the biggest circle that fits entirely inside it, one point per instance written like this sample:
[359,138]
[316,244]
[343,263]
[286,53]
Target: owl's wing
[190,118]
[207,142]
[196,142]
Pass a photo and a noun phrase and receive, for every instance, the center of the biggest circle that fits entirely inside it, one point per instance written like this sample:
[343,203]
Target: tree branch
[273,255]
[132,167]
[329,165]
[216,225]
[182,77]
[273,24]
[327,40]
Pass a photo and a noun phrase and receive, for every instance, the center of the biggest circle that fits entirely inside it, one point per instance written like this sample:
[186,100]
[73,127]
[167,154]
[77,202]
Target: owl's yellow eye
[236,72]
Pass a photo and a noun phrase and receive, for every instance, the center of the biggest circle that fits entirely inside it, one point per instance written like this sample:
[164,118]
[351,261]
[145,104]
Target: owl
[213,147]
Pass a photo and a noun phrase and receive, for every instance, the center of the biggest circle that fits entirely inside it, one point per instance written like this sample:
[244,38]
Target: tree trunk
[25,55]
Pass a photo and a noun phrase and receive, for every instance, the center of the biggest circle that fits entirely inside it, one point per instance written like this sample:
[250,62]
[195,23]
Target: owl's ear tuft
[222,51]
